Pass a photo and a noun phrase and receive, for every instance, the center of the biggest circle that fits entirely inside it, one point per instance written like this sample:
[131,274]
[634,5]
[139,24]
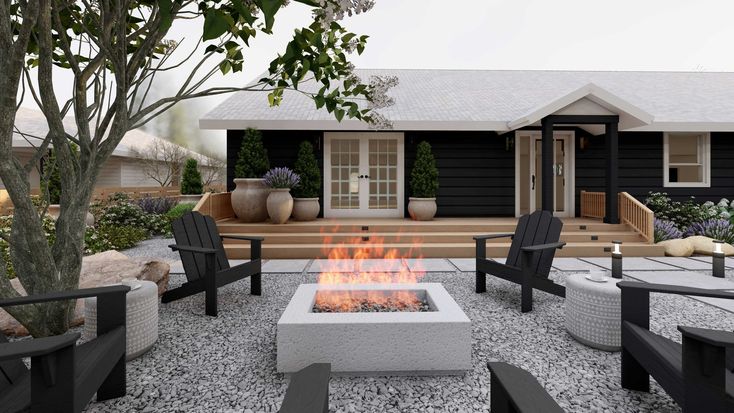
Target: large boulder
[681,247]
[705,245]
[105,268]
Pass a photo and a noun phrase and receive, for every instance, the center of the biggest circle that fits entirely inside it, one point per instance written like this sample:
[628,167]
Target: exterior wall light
[717,259]
[617,259]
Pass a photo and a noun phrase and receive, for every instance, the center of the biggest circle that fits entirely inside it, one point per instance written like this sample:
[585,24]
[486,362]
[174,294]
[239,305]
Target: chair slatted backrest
[11,371]
[540,227]
[197,230]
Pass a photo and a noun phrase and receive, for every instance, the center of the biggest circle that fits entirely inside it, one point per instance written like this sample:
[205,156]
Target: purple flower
[716,228]
[281,178]
[665,230]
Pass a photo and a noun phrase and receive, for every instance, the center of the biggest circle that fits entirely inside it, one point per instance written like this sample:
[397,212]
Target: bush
[683,214]
[127,214]
[252,159]
[665,230]
[191,179]
[716,228]
[179,210]
[281,178]
[307,167]
[424,176]
[159,205]
[724,209]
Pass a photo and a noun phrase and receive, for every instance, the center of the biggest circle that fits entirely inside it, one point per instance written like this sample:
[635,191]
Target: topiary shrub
[191,183]
[424,176]
[665,230]
[307,167]
[716,228]
[252,159]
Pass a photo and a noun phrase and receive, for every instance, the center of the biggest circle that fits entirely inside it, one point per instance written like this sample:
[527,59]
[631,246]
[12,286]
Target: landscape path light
[617,259]
[717,259]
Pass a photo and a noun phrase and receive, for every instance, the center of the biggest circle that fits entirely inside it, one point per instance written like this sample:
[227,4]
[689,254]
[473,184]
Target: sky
[667,35]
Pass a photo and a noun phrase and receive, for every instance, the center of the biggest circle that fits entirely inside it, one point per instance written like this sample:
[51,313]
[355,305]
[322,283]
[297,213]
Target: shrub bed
[674,219]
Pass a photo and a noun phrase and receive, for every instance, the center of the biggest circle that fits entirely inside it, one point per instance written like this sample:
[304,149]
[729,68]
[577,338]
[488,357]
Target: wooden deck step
[425,237]
[439,250]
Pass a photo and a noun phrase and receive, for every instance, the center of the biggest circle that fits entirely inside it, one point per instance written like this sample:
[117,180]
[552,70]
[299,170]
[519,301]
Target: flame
[385,266]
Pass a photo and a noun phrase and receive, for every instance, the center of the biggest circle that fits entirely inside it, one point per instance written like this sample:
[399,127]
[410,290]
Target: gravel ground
[154,247]
[228,363]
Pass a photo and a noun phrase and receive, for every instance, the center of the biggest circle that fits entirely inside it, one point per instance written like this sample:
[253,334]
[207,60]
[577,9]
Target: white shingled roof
[505,100]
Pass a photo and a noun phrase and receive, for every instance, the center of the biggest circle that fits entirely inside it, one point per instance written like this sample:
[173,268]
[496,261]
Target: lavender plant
[716,228]
[281,178]
[158,205]
[665,230]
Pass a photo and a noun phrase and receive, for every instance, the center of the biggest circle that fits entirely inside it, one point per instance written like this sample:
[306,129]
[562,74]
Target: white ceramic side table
[142,318]
[593,313]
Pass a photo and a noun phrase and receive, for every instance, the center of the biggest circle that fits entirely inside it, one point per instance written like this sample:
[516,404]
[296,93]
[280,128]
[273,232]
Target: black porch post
[612,148]
[547,164]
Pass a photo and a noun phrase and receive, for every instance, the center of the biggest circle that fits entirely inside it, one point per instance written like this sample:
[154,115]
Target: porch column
[612,187]
[547,164]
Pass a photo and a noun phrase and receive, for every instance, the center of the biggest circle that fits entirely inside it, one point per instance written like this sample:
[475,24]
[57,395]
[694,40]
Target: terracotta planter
[280,205]
[249,198]
[55,209]
[189,199]
[422,209]
[306,209]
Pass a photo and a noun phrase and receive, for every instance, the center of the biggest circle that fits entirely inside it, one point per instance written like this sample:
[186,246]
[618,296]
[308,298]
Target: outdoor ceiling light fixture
[717,259]
[617,259]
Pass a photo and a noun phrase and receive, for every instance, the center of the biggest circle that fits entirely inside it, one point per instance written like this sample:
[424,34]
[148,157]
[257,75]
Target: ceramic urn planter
[279,205]
[249,199]
[306,209]
[55,209]
[422,209]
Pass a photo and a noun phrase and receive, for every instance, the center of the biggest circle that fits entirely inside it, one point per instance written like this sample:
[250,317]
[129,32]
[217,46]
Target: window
[686,159]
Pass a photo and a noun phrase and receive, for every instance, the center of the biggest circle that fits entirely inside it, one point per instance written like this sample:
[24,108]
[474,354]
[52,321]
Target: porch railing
[593,204]
[637,215]
[631,212]
[218,205]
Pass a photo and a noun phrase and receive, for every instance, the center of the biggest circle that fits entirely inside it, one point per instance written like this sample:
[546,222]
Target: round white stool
[593,313]
[142,318]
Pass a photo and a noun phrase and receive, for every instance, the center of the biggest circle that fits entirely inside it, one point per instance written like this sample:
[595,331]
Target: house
[123,169]
[508,142]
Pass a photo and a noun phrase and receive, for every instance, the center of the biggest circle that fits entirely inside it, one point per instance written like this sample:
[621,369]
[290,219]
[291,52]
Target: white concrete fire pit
[376,343]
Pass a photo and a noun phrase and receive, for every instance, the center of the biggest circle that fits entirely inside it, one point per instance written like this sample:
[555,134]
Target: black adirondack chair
[529,260]
[514,390]
[308,391]
[205,262]
[63,376]
[698,374]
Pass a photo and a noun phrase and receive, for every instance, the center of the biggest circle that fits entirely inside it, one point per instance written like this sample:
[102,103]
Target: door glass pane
[383,155]
[344,171]
[559,171]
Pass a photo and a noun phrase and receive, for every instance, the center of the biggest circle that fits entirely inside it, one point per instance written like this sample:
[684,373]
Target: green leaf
[165,7]
[269,8]
[339,113]
[215,24]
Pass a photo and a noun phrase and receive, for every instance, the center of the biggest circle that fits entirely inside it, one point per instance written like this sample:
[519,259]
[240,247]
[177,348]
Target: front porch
[440,238]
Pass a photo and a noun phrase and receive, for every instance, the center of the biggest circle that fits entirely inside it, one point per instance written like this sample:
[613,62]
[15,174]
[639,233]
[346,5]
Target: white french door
[363,174]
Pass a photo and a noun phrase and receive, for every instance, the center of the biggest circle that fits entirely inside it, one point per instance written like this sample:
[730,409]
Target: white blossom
[334,10]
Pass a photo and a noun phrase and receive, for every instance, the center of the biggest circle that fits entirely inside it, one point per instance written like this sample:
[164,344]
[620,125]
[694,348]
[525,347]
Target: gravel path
[227,364]
[154,247]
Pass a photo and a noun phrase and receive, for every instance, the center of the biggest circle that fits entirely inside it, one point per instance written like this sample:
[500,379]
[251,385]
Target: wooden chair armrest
[65,295]
[243,237]
[541,247]
[673,289]
[36,346]
[492,236]
[718,338]
[195,250]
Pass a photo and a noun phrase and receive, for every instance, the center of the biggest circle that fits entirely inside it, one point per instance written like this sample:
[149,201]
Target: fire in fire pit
[370,301]
[370,262]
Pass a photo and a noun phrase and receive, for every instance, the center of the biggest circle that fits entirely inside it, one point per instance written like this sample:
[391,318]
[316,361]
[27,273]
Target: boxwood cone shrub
[252,159]
[191,183]
[424,176]
[307,167]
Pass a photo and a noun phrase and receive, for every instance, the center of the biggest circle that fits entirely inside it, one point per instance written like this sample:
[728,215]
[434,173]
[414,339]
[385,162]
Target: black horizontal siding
[282,147]
[476,172]
[641,167]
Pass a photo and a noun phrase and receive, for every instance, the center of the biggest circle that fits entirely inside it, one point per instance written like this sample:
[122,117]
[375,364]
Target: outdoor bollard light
[617,260]
[718,259]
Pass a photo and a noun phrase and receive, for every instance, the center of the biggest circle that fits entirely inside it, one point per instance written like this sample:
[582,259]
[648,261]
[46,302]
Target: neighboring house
[611,132]
[122,169]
